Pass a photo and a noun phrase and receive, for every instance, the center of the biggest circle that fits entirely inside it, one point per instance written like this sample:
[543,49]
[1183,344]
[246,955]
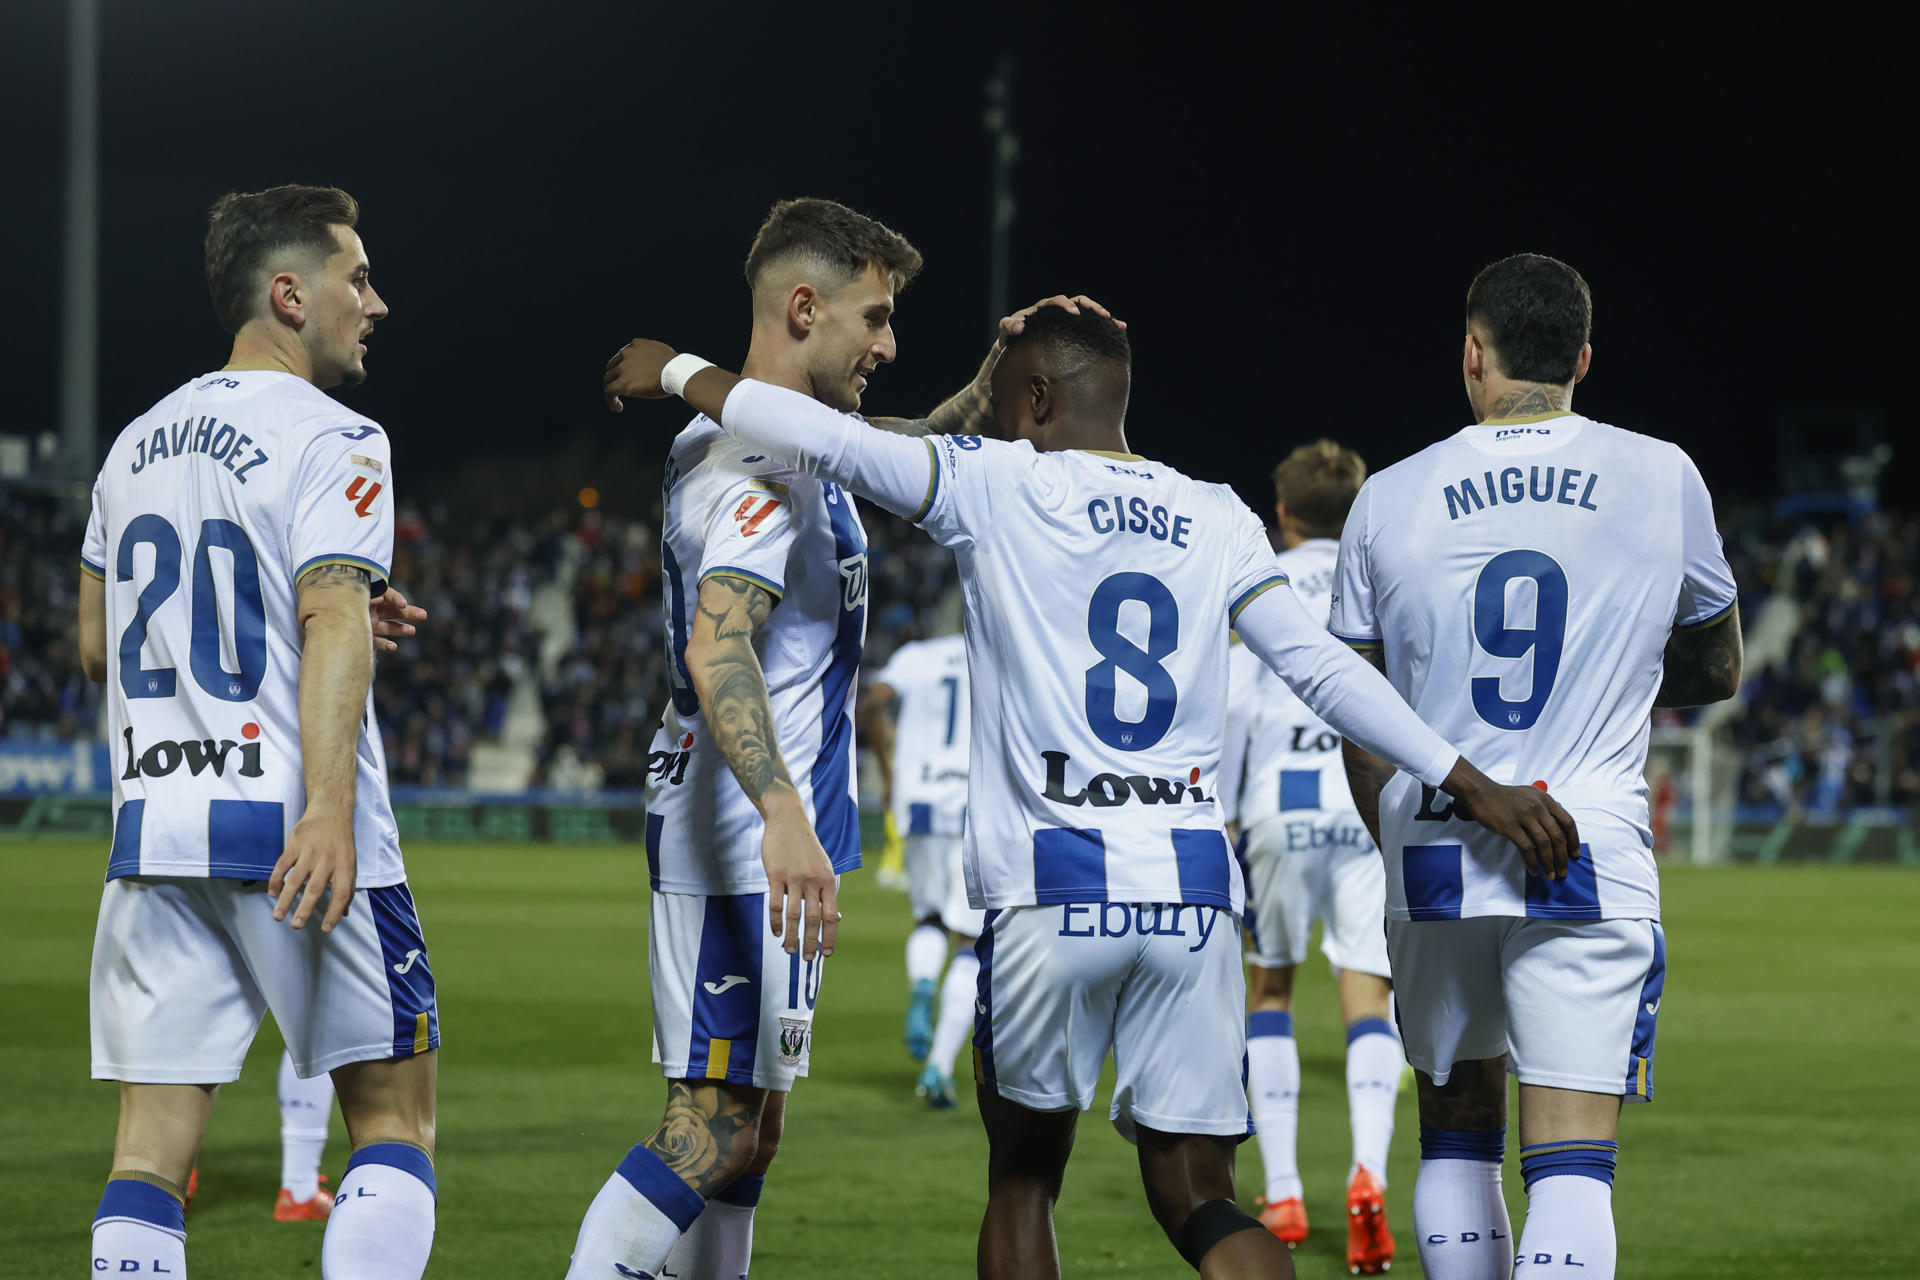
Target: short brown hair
[247,227]
[1317,484]
[836,238]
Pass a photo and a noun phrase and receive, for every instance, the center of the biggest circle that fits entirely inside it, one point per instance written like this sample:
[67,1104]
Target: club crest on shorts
[793,1039]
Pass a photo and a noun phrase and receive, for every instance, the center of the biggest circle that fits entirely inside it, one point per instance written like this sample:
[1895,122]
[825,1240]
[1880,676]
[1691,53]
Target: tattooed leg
[710,1133]
[1473,1099]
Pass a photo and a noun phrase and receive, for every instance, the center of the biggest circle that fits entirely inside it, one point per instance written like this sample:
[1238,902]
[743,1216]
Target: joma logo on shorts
[1105,790]
[199,755]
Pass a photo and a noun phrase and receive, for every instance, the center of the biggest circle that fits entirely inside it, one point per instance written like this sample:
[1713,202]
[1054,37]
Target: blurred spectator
[43,692]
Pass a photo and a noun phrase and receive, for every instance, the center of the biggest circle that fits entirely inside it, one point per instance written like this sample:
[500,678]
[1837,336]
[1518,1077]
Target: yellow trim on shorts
[420,1032]
[719,1053]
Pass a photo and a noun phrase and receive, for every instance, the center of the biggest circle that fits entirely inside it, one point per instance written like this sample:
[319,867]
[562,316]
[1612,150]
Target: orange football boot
[1287,1219]
[193,1188]
[287,1209]
[1369,1242]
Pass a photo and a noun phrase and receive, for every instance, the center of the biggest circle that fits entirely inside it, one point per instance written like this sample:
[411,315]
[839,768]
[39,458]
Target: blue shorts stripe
[1575,898]
[403,955]
[1431,874]
[245,838]
[1205,862]
[983,1002]
[125,858]
[726,987]
[1639,1085]
[654,823]
[1069,865]
[403,1156]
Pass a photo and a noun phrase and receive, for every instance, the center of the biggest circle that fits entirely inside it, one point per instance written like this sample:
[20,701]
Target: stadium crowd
[1834,725]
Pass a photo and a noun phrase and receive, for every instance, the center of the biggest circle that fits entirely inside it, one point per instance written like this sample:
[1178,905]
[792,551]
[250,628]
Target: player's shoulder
[705,453]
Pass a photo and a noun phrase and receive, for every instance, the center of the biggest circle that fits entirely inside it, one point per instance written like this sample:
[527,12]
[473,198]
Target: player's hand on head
[393,617]
[319,856]
[803,900]
[1016,324]
[635,371]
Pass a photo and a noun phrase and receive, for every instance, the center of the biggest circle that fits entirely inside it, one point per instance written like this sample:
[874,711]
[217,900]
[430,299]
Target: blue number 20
[1545,638]
[249,610]
[1122,654]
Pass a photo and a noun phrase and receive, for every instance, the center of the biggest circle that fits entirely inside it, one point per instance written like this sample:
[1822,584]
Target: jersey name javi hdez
[930,751]
[732,513]
[1293,758]
[1100,592]
[1524,577]
[209,508]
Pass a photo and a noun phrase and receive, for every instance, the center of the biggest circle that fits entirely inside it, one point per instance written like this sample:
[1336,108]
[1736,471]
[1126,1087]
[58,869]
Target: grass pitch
[1783,1142]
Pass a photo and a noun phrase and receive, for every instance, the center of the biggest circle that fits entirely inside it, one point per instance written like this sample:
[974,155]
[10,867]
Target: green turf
[1782,1145]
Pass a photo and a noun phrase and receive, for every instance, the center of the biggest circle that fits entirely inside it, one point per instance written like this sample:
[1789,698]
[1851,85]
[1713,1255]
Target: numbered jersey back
[209,508]
[931,732]
[1524,578]
[1099,590]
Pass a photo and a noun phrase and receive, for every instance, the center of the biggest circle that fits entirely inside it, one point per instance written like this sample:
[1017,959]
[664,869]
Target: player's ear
[1473,360]
[802,307]
[288,298]
[1586,361]
[1042,402]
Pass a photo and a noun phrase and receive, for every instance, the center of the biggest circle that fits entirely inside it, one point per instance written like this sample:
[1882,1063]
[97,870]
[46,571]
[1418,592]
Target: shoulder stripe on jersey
[1359,642]
[359,562]
[933,484]
[1253,593]
[93,568]
[1704,623]
[728,571]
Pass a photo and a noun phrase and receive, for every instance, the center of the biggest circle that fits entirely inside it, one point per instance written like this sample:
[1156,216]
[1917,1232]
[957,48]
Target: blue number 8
[1122,654]
[1545,638]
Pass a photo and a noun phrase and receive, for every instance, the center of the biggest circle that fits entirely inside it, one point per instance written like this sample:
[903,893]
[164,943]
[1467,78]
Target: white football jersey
[929,678]
[208,509]
[1293,757]
[1524,576]
[732,513]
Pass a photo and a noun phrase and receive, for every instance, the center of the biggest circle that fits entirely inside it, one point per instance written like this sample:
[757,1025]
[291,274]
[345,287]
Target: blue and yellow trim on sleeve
[933,484]
[729,571]
[1359,642]
[89,566]
[1714,621]
[1253,593]
[378,571]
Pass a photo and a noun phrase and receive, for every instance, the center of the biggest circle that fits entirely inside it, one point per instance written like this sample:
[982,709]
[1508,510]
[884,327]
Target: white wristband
[673,378]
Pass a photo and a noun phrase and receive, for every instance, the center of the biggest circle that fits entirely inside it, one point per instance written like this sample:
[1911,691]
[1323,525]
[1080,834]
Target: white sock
[719,1244]
[381,1227]
[926,953]
[635,1221]
[305,1106]
[139,1230]
[1374,1060]
[1459,1213]
[956,1010]
[1273,1087]
[1569,1229]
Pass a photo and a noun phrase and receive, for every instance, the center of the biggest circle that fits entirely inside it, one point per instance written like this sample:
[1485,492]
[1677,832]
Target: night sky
[1287,212]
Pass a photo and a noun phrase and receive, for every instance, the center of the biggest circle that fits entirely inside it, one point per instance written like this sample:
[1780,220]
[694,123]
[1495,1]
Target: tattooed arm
[1367,773]
[732,689]
[1702,664]
[967,412]
[336,668]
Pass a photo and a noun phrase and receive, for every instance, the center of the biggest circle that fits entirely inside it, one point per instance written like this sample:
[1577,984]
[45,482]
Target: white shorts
[728,1002]
[1161,986]
[1574,1001]
[937,885]
[184,968]
[1316,864]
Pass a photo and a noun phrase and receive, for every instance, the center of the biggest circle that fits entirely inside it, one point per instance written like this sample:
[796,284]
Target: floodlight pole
[80,277]
[1006,151]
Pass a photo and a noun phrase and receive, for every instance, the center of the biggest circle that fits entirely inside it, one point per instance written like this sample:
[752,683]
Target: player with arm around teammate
[1113,896]
[751,812]
[233,564]
[1309,858]
[920,708]
[1534,584]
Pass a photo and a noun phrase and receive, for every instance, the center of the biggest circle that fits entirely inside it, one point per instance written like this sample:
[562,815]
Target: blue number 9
[1545,638]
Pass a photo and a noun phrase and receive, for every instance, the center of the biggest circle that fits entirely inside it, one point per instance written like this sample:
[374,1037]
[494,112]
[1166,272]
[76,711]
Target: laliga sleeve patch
[752,513]
[362,493]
